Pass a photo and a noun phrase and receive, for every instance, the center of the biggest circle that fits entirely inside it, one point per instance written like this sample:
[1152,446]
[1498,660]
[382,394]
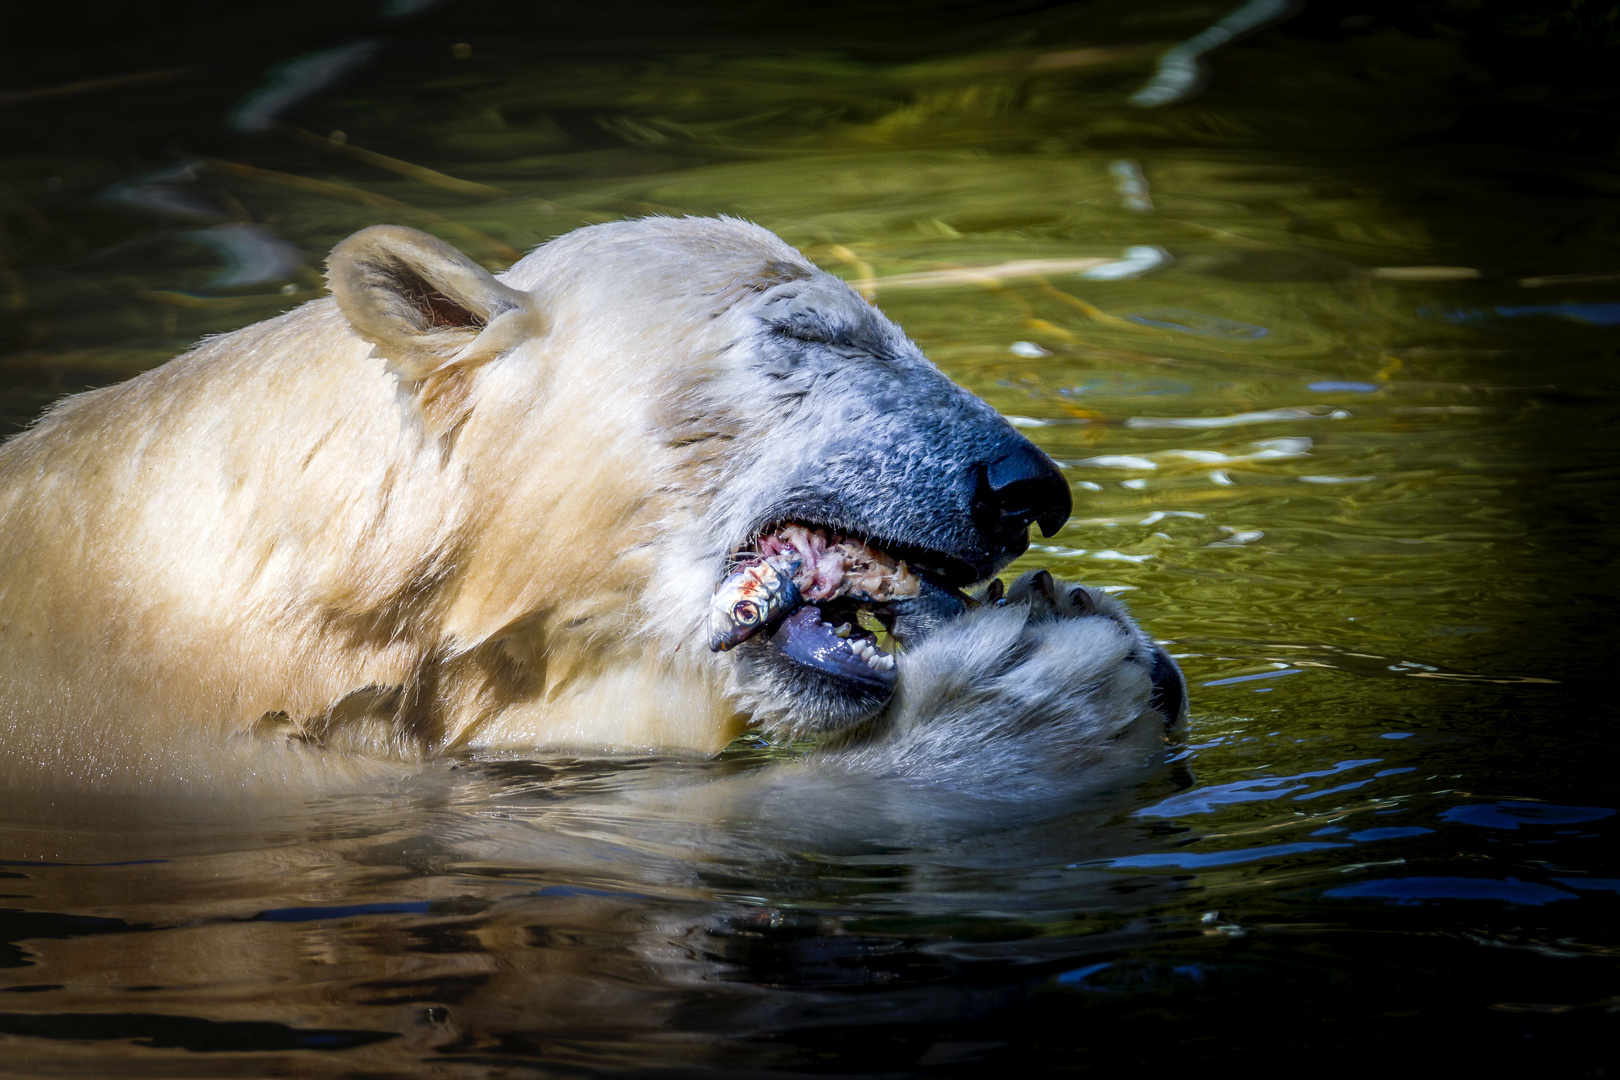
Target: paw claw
[1043,583]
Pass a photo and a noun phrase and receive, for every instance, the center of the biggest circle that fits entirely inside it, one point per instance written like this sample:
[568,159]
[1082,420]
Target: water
[1339,420]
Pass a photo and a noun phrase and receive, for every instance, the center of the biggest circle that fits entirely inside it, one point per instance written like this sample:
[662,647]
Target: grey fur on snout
[869,437]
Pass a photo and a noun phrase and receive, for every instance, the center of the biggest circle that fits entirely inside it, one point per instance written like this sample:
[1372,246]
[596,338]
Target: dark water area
[1326,348]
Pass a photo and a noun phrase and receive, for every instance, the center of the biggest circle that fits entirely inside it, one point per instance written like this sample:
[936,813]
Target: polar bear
[444,511]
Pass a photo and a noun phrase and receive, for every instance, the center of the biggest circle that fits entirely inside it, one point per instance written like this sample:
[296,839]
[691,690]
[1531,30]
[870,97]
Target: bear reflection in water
[448,513]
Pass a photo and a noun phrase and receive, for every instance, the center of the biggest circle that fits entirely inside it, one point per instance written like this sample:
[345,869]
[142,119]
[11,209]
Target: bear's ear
[425,305]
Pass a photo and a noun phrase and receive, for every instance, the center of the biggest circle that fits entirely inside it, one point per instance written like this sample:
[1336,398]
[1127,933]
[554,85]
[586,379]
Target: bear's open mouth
[822,601]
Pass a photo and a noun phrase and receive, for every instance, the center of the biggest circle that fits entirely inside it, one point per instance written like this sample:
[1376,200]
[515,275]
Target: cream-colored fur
[363,530]
[444,512]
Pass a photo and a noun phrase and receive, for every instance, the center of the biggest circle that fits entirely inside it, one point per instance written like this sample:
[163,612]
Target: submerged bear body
[443,511]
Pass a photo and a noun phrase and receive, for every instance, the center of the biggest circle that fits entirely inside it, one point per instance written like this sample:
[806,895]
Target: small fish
[751,598]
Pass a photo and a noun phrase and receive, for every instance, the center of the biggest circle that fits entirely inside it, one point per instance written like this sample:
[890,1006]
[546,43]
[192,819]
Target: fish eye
[745,610]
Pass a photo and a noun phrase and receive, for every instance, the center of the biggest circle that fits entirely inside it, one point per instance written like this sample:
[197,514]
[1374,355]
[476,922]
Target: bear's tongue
[805,638]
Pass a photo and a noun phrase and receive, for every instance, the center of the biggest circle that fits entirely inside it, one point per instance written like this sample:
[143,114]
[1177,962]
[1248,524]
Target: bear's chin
[791,697]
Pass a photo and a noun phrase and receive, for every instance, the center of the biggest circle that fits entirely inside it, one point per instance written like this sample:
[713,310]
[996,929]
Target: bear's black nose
[1017,488]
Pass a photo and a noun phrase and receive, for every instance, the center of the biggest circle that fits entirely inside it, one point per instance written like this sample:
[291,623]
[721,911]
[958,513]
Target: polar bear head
[635,406]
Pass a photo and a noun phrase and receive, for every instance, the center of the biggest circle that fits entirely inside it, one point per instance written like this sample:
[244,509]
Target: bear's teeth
[879,661]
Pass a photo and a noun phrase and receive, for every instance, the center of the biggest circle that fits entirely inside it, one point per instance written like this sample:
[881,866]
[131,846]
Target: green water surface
[1347,443]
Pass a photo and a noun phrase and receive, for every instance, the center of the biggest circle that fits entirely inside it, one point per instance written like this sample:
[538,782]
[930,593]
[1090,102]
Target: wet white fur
[331,544]
[1010,702]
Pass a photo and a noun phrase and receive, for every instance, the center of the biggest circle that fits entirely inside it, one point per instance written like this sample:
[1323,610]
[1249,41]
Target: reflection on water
[1326,353]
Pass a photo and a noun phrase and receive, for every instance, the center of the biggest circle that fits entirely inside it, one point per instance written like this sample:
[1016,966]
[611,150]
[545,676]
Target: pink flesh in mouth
[831,568]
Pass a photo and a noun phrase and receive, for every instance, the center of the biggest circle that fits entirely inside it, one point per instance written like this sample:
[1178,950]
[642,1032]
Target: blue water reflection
[1208,800]
[345,911]
[1342,386]
[1252,678]
[1138,976]
[1191,861]
[1591,884]
[1417,889]
[1511,815]
[1127,387]
[1391,833]
[1593,314]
